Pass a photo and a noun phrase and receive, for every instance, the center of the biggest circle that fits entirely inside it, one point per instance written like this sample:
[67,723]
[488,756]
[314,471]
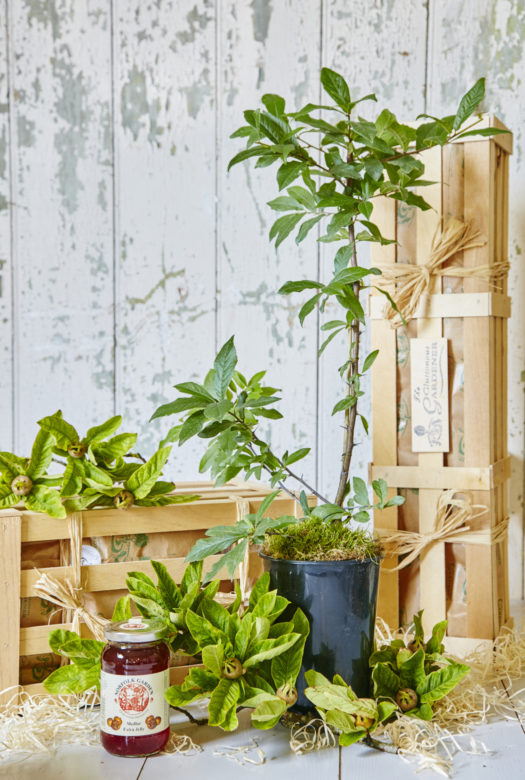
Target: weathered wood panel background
[127,254]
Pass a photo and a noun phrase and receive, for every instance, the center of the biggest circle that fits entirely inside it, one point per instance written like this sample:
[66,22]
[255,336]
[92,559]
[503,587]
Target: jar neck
[135,645]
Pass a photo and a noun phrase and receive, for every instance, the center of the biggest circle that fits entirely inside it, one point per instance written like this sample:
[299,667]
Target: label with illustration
[132,706]
[429,391]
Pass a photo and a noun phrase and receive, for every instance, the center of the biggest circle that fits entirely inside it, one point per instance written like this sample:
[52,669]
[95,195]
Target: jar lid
[135,630]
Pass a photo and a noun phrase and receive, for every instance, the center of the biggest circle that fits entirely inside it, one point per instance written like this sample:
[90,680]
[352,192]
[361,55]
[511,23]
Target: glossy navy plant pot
[339,599]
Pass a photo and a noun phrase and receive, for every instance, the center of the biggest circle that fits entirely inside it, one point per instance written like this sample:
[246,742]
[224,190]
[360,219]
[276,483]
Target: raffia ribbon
[414,280]
[67,595]
[452,515]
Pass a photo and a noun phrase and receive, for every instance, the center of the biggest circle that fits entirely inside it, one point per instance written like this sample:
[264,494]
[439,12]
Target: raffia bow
[68,594]
[413,281]
[451,525]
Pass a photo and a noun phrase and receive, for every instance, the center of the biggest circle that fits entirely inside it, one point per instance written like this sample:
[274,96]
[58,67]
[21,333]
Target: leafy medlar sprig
[96,472]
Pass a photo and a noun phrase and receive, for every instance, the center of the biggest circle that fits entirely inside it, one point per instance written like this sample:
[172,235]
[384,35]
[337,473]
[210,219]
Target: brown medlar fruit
[158,719]
[77,449]
[117,723]
[406,699]
[124,499]
[364,722]
[288,694]
[151,721]
[21,485]
[232,669]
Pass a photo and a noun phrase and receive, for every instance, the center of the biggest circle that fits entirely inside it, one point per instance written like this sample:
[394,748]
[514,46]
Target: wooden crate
[216,506]
[471,185]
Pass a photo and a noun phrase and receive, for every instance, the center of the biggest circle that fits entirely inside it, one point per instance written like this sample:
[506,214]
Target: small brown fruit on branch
[363,722]
[124,499]
[232,669]
[77,449]
[406,699]
[21,485]
[288,694]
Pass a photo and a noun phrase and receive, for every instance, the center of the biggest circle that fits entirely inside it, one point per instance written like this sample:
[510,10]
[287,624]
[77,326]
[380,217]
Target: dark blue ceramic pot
[339,599]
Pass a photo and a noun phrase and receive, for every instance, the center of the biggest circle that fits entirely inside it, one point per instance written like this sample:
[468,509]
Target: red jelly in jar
[134,715]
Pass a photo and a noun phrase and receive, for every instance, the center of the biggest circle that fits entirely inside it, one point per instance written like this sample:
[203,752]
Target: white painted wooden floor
[505,741]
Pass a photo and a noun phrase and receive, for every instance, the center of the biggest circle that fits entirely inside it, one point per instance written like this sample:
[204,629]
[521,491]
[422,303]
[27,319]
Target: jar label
[133,705]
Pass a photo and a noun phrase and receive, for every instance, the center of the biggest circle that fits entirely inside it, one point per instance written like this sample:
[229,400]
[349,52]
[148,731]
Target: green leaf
[485,132]
[335,85]
[269,648]
[122,610]
[72,478]
[440,683]
[380,488]
[83,648]
[74,678]
[100,432]
[261,587]
[385,681]
[223,699]
[7,497]
[412,671]
[59,637]
[116,447]
[63,432]
[192,576]
[345,740]
[230,560]
[268,713]
[213,658]
[308,307]
[44,499]
[218,410]
[245,154]
[306,226]
[469,102]
[216,614]
[288,172]
[41,454]
[168,589]
[299,286]
[283,226]
[344,403]
[435,643]
[274,104]
[224,366]
[178,697]
[342,257]
[419,634]
[360,491]
[286,667]
[192,426]
[369,360]
[97,475]
[203,631]
[143,479]
[295,456]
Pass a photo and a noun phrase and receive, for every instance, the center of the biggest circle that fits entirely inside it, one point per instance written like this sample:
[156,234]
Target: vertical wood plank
[259,54]
[379,47]
[6,258]
[10,545]
[384,408]
[62,242]
[165,139]
[432,561]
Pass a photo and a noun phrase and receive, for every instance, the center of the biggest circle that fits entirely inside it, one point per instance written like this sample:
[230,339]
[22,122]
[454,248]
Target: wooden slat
[432,592]
[10,602]
[112,576]
[384,397]
[34,639]
[445,477]
[179,517]
[482,304]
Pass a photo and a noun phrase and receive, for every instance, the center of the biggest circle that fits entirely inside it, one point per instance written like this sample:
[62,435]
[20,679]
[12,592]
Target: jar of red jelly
[134,715]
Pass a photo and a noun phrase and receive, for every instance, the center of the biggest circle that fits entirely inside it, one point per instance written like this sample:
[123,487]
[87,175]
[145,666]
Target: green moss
[318,540]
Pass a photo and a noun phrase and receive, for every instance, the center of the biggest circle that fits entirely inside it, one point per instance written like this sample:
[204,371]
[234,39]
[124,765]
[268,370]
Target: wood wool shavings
[240,753]
[41,723]
[314,735]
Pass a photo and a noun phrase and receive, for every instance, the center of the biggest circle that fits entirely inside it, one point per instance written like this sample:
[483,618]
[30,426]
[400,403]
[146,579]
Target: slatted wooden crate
[471,185]
[216,506]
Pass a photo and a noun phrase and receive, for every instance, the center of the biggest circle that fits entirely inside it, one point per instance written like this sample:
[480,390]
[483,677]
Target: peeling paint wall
[127,254]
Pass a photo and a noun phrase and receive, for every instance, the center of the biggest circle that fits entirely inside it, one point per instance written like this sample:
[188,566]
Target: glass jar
[134,715]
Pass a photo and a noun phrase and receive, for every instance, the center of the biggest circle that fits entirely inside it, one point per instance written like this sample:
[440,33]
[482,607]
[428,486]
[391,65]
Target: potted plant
[331,169]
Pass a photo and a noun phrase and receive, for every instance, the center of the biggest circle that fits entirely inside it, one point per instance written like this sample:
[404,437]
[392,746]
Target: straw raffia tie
[414,280]
[68,594]
[452,515]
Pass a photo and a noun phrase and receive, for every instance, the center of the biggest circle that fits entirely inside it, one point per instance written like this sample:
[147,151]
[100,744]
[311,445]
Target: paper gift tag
[429,391]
